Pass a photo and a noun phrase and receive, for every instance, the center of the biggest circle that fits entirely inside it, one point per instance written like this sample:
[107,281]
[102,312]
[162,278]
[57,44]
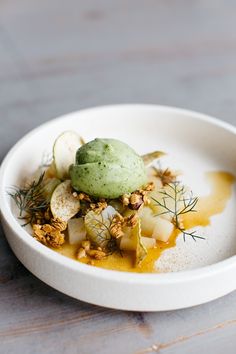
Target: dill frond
[184,203]
[30,200]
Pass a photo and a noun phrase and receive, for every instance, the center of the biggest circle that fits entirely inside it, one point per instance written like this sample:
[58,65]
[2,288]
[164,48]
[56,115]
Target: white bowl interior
[195,146]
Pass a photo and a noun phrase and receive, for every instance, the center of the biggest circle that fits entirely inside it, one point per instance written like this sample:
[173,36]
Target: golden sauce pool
[221,186]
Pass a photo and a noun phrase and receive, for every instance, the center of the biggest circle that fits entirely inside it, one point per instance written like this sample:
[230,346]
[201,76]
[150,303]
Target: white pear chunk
[76,231]
[108,213]
[148,242]
[163,229]
[148,221]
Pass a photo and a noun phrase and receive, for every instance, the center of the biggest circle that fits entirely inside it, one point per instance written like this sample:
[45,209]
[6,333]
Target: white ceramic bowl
[193,140]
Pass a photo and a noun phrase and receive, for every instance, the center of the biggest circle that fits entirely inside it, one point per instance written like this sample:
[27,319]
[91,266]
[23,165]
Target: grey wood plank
[56,57]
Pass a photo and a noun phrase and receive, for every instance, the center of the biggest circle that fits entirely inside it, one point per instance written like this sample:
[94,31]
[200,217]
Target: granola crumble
[116,226]
[131,220]
[138,198]
[99,206]
[50,234]
[86,245]
[96,254]
[81,253]
[166,176]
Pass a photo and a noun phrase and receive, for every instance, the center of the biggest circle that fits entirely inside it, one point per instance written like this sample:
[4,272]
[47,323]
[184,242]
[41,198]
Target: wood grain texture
[56,57]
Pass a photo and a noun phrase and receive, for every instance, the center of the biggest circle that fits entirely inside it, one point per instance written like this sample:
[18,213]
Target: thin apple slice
[64,151]
[63,204]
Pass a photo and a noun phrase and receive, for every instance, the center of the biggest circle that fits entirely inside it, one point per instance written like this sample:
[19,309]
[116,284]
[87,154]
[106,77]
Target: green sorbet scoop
[107,168]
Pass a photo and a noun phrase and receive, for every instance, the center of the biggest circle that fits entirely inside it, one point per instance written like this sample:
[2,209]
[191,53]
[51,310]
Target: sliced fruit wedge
[97,226]
[141,250]
[150,157]
[64,151]
[63,204]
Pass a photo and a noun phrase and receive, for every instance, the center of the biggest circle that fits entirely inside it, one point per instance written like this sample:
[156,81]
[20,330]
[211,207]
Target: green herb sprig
[30,200]
[183,203]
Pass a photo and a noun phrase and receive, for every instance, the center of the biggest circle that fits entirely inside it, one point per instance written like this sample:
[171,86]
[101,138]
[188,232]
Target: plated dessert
[102,204]
[169,273]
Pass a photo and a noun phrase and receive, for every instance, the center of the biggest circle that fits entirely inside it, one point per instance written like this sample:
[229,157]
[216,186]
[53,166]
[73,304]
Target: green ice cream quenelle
[107,168]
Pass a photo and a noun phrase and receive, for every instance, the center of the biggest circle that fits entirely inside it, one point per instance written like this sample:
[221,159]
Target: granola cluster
[116,227]
[119,222]
[138,198]
[50,234]
[166,176]
[99,205]
[131,200]
[85,250]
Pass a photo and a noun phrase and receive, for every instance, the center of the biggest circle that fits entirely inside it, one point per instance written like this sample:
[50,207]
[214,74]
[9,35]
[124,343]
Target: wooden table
[60,56]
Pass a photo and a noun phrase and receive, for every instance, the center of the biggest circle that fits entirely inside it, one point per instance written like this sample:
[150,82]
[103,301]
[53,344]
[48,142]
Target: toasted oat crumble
[116,226]
[166,176]
[96,254]
[138,198]
[81,253]
[50,234]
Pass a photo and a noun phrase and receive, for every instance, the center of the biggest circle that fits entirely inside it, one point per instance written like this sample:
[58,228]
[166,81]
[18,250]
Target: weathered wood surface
[60,56]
